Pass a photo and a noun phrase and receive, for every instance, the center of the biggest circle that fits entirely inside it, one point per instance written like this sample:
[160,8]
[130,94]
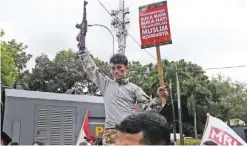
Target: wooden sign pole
[160,71]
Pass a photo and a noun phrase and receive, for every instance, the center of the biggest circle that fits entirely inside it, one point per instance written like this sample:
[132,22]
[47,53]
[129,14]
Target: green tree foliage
[229,99]
[55,75]
[13,60]
[8,68]
[9,71]
[103,66]
[21,57]
[64,72]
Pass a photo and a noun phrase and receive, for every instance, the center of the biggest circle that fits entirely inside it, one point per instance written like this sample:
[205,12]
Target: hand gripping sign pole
[155,31]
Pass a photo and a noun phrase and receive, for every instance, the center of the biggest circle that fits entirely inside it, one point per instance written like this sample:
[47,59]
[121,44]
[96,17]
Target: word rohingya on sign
[219,133]
[154,25]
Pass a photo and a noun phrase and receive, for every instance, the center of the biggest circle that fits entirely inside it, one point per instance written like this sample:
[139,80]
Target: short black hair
[119,59]
[154,127]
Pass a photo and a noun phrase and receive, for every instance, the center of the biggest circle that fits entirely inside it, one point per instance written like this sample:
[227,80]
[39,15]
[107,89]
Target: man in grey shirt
[119,94]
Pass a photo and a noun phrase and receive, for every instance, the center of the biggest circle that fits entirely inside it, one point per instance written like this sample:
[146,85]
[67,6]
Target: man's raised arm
[92,71]
[89,66]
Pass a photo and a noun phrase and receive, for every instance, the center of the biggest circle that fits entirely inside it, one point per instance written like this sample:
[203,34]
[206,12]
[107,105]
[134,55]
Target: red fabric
[85,125]
[91,137]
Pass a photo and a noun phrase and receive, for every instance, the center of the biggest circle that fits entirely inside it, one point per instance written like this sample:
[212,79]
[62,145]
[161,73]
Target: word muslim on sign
[154,25]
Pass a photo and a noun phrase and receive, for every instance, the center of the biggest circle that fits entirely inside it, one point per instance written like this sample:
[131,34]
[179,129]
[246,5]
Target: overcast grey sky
[211,33]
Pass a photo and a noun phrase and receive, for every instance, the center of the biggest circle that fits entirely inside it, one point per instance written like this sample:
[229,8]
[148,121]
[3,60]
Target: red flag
[85,125]
[85,131]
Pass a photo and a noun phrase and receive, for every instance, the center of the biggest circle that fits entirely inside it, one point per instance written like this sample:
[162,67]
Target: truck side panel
[23,111]
[40,118]
[55,125]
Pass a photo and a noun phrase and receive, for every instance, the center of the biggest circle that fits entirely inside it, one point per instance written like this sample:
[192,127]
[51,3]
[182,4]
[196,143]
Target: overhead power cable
[225,67]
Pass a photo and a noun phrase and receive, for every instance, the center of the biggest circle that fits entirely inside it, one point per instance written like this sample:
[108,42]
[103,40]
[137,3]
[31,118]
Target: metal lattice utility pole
[119,22]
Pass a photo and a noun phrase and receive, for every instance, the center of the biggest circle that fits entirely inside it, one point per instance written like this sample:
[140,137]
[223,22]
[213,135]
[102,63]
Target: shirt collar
[122,81]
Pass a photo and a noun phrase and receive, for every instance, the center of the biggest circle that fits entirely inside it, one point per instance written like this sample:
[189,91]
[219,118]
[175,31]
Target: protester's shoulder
[134,86]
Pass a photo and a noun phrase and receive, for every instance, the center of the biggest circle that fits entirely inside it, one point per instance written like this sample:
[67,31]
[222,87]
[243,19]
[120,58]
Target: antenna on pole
[120,22]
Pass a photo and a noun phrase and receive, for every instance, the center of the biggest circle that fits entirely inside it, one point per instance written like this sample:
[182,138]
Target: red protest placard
[154,25]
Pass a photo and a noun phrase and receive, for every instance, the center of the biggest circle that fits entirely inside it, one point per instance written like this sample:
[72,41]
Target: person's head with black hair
[119,66]
[146,128]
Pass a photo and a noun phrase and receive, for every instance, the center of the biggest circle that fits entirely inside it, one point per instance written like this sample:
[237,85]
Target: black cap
[5,138]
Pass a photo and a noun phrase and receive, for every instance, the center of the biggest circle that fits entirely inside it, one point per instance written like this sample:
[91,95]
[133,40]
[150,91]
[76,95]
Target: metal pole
[179,110]
[173,112]
[121,28]
[113,41]
[119,22]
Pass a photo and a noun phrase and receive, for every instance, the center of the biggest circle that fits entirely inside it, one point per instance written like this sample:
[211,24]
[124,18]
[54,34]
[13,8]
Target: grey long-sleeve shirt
[119,99]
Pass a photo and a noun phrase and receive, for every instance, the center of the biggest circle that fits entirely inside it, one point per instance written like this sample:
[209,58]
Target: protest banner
[155,31]
[154,25]
[219,133]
